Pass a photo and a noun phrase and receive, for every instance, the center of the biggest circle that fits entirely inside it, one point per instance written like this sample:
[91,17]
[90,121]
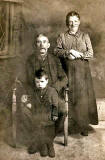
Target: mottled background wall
[48,16]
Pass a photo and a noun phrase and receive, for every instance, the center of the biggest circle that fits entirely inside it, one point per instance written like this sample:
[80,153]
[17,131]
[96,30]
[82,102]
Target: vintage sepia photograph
[52,80]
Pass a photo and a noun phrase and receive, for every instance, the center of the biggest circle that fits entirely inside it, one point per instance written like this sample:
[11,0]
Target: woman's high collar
[77,34]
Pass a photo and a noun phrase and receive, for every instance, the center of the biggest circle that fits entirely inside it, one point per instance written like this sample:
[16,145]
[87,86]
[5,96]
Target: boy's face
[42,44]
[41,83]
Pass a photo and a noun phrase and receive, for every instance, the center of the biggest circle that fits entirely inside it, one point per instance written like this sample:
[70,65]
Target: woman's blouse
[79,42]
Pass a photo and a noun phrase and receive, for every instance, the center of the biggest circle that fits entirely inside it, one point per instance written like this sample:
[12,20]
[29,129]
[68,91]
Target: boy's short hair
[40,73]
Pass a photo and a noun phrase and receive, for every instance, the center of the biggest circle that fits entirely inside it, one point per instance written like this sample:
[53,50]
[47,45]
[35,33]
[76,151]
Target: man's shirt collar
[40,57]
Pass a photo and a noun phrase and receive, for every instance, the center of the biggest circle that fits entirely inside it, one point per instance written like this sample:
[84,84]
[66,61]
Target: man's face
[74,22]
[41,83]
[42,44]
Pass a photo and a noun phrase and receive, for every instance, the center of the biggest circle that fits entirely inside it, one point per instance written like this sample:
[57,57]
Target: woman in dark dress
[74,46]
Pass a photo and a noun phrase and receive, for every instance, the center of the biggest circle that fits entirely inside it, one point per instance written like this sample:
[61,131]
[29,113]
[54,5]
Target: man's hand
[54,118]
[24,98]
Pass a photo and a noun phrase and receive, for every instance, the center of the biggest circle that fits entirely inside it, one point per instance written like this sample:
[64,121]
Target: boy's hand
[55,118]
[29,105]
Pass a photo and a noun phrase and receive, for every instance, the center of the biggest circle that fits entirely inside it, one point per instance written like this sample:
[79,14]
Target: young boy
[44,114]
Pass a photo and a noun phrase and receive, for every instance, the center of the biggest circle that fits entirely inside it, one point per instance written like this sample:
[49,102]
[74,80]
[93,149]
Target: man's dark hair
[72,13]
[40,73]
[41,34]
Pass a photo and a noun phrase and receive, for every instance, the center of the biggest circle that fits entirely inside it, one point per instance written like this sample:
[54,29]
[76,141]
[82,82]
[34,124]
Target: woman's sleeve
[59,50]
[89,53]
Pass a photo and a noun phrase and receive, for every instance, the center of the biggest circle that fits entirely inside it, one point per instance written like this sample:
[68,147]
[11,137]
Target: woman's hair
[72,13]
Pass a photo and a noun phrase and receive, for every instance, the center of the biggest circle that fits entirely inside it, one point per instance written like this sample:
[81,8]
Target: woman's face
[74,22]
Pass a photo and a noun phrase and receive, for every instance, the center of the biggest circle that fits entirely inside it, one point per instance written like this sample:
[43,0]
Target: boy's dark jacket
[58,76]
[44,105]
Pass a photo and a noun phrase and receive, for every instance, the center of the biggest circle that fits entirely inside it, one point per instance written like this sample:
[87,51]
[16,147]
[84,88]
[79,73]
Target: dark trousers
[42,135]
[26,126]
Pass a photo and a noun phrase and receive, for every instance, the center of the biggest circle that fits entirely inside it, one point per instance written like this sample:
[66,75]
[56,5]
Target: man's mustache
[42,48]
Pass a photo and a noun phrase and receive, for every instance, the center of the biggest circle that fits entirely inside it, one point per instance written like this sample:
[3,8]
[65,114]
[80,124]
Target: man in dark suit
[41,59]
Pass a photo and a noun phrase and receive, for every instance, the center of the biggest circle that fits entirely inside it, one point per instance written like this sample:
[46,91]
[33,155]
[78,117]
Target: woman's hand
[76,54]
[71,57]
